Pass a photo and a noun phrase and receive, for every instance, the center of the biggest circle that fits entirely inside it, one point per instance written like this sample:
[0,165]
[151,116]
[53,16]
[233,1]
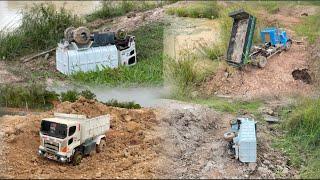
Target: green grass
[301,141]
[234,107]
[127,105]
[309,27]
[111,9]
[147,71]
[42,27]
[196,10]
[26,96]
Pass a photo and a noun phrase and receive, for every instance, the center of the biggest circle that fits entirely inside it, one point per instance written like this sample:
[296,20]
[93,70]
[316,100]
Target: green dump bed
[241,38]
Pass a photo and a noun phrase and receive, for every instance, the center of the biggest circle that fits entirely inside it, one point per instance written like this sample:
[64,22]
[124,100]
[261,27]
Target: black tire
[121,34]
[100,147]
[77,157]
[81,35]
[262,61]
[288,45]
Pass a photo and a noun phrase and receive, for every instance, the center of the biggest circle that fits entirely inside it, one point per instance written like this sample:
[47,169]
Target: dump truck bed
[241,38]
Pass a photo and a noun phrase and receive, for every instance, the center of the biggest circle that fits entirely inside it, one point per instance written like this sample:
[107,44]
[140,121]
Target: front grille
[51,146]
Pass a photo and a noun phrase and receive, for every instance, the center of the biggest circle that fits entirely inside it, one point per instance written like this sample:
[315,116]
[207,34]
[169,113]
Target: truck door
[73,137]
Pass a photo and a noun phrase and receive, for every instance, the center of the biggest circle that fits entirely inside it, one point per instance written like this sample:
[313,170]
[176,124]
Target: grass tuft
[196,10]
[309,27]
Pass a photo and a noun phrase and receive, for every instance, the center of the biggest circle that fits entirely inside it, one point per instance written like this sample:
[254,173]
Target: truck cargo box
[241,38]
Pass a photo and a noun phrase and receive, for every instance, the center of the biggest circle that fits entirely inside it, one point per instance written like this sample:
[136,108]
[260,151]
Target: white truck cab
[68,137]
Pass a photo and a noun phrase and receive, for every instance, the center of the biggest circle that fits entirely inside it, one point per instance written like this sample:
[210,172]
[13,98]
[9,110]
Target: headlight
[63,159]
[40,152]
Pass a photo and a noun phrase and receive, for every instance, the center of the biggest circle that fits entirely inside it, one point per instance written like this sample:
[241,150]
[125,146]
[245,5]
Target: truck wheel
[228,136]
[68,33]
[288,45]
[77,157]
[100,147]
[262,61]
[81,35]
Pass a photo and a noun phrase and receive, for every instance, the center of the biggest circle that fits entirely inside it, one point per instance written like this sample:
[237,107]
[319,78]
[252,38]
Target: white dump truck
[81,51]
[68,137]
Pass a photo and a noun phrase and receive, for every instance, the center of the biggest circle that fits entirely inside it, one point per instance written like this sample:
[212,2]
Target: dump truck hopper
[241,38]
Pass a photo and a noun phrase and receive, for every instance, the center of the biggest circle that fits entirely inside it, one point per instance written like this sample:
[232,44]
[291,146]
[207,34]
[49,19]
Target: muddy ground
[178,140]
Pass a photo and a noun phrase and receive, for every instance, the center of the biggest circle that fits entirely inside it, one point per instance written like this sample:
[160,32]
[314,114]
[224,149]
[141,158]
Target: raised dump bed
[241,38]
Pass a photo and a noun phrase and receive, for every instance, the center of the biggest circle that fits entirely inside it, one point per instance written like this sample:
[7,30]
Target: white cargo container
[67,137]
[70,58]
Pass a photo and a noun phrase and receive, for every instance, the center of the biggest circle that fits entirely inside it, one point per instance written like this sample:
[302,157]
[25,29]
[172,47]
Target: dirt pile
[273,80]
[129,150]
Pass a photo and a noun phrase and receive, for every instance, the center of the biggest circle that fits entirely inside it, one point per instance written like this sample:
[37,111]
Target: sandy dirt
[179,140]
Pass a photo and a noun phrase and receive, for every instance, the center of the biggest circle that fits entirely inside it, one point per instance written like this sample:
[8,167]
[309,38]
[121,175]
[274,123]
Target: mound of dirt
[129,150]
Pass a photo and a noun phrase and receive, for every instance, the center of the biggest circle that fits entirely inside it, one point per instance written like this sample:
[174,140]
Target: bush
[71,96]
[28,96]
[127,105]
[42,27]
[87,94]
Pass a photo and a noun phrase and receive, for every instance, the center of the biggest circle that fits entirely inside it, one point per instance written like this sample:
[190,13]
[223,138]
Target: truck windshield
[53,129]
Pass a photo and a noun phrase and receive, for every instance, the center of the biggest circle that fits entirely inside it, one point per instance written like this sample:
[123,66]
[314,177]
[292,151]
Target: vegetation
[196,10]
[111,9]
[42,27]
[309,27]
[302,140]
[29,96]
[127,105]
[148,70]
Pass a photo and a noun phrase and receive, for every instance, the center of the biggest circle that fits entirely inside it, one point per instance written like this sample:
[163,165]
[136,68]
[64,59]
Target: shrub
[87,94]
[26,96]
[71,96]
[127,105]
[196,10]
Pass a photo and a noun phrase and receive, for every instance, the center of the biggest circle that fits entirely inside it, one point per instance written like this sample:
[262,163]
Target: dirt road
[179,140]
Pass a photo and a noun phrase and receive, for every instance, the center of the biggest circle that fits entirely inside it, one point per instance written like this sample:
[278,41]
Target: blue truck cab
[274,36]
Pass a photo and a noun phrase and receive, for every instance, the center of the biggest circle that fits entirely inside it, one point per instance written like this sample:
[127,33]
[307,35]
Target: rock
[280,168]
[268,111]
[46,56]
[98,174]
[263,171]
[62,169]
[131,14]
[127,118]
[285,171]
[266,162]
[11,139]
[252,166]
[9,131]
[270,119]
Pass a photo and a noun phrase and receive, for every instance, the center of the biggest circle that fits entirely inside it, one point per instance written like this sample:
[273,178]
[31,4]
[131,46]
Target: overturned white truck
[81,51]
[68,137]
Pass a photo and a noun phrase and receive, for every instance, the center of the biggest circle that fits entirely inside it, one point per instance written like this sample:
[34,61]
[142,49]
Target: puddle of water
[187,34]
[10,11]
[145,96]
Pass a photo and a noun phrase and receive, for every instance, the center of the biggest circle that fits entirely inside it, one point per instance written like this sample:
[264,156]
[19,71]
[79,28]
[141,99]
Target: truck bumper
[53,156]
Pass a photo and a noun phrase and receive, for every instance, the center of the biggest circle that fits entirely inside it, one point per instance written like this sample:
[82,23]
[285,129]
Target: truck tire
[77,157]
[288,45]
[68,34]
[262,61]
[228,136]
[100,147]
[81,35]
